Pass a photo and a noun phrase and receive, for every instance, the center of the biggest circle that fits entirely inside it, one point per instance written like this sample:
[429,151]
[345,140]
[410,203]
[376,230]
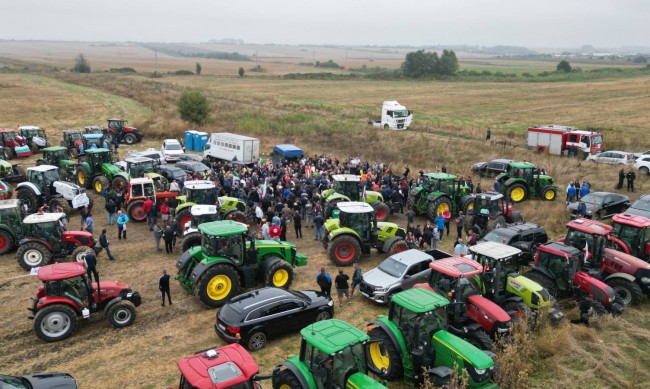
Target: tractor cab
[93,130]
[142,188]
[138,167]
[202,214]
[93,141]
[589,236]
[55,155]
[225,239]
[199,192]
[522,170]
[230,366]
[347,185]
[15,146]
[46,226]
[456,277]
[563,262]
[634,233]
[35,136]
[96,157]
[359,217]
[11,216]
[491,204]
[43,177]
[117,125]
[440,182]
[73,141]
[67,280]
[500,263]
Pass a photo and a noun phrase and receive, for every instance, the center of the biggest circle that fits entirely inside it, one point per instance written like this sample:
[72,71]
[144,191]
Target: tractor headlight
[480,371]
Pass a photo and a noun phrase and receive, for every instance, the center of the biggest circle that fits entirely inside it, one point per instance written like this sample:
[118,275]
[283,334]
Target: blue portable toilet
[189,140]
[200,141]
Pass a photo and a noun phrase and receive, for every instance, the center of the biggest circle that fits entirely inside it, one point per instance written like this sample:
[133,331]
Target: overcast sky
[545,23]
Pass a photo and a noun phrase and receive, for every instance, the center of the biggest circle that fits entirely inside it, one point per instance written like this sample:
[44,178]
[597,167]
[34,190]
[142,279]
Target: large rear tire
[382,212]
[628,292]
[480,339]
[65,205]
[440,205]
[6,242]
[516,217]
[217,285]
[83,177]
[518,311]
[385,356]
[121,314]
[55,322]
[237,216]
[344,250]
[99,183]
[182,217]
[397,247]
[410,204]
[497,222]
[286,379]
[279,275]
[190,240]
[118,181]
[136,212]
[517,192]
[8,153]
[28,199]
[33,254]
[80,252]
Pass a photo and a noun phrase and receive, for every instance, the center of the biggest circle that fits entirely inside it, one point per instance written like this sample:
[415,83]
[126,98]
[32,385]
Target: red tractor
[471,316]
[67,294]
[139,190]
[14,145]
[631,235]
[45,239]
[230,366]
[558,268]
[117,129]
[629,276]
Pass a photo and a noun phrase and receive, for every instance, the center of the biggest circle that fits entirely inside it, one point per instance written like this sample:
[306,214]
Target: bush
[193,107]
[257,68]
[122,70]
[241,72]
[329,64]
[183,73]
[81,65]
[564,66]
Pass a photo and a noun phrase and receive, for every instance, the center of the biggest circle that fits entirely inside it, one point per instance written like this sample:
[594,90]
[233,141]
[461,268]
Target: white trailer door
[556,144]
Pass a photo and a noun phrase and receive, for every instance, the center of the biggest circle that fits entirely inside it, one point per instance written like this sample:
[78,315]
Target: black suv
[252,317]
[524,236]
[39,381]
[492,168]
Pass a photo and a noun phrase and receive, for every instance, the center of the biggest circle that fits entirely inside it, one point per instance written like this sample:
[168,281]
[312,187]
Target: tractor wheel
[384,355]
[439,206]
[519,311]
[65,205]
[34,148]
[8,153]
[83,177]
[190,240]
[397,247]
[136,212]
[410,204]
[497,222]
[598,308]
[80,252]
[40,162]
[516,217]
[6,242]
[257,341]
[344,250]
[237,216]
[130,139]
[121,314]
[548,193]
[467,205]
[286,379]
[382,212]
[386,126]
[109,137]
[544,281]
[118,181]
[33,254]
[55,322]
[280,275]
[629,293]
[517,193]
[217,285]
[73,152]
[183,217]
[480,339]
[28,199]
[99,183]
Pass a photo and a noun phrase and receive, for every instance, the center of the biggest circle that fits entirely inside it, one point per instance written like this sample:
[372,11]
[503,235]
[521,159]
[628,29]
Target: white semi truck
[234,148]
[394,116]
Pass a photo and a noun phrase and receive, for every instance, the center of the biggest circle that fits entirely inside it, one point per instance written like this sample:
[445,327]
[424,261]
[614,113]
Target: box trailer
[286,152]
[234,148]
[565,140]
[393,115]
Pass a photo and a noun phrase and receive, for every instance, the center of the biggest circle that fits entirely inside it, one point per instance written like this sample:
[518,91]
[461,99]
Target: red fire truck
[564,140]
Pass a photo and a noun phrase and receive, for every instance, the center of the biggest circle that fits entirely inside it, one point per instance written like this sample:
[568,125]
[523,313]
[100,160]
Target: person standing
[163,286]
[173,204]
[324,282]
[265,229]
[460,249]
[173,224]
[342,287]
[410,216]
[631,176]
[157,235]
[488,134]
[297,225]
[84,214]
[356,279]
[309,214]
[110,209]
[435,237]
[581,211]
[318,226]
[472,238]
[103,242]
[122,221]
[168,237]
[447,215]
[283,228]
[165,213]
[146,207]
[440,223]
[90,260]
[460,222]
[621,179]
[584,189]
[89,224]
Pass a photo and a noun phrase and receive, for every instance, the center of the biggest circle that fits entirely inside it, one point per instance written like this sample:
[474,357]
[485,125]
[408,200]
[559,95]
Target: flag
[264,187]
[365,195]
[586,252]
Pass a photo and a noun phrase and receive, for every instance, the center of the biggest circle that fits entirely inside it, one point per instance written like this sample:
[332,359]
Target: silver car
[395,274]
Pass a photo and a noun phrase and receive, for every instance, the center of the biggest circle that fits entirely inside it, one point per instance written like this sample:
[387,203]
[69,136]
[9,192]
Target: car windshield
[402,113]
[75,136]
[392,267]
[498,236]
[642,204]
[176,173]
[198,167]
[51,175]
[592,199]
[9,135]
[173,146]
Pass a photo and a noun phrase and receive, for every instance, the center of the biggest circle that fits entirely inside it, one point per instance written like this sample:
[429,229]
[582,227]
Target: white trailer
[233,148]
[393,115]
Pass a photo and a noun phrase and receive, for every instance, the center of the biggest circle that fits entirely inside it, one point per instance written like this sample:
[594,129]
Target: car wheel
[323,315]
[257,341]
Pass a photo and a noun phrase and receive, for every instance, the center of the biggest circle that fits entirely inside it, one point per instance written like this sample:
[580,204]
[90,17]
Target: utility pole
[155,53]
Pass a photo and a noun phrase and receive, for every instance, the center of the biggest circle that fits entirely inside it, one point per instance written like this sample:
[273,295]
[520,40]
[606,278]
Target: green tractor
[229,258]
[333,355]
[11,224]
[203,192]
[414,344]
[523,180]
[356,231]
[97,171]
[139,167]
[438,193]
[58,156]
[346,188]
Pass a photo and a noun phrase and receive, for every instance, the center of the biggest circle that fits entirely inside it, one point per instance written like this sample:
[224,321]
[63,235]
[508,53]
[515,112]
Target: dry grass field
[324,117]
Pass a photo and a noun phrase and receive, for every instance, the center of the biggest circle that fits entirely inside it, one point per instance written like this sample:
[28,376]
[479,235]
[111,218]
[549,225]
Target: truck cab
[394,116]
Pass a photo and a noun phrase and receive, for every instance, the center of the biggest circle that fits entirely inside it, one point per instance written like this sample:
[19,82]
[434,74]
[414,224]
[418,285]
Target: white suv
[613,158]
[171,149]
[642,163]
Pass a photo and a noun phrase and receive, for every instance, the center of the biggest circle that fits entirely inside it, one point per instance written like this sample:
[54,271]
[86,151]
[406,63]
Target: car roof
[171,141]
[42,168]
[203,370]
[61,271]
[457,266]
[332,336]
[247,302]
[631,220]
[441,176]
[494,250]
[223,228]
[43,217]
[503,160]
[346,177]
[419,300]
[355,207]
[410,257]
[171,168]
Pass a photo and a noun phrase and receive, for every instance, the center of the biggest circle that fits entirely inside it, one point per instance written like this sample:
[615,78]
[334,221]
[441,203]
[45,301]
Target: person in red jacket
[146,207]
[447,215]
[165,212]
